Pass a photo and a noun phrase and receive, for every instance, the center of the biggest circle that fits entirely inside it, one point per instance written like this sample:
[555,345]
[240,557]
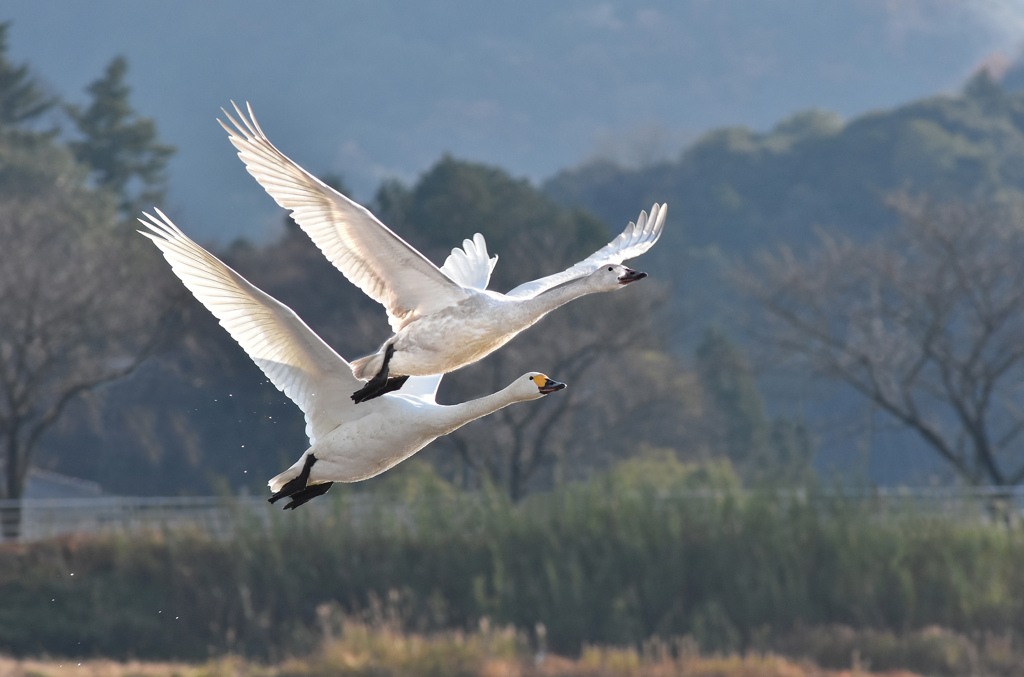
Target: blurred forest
[159,400]
[80,306]
[735,191]
[196,417]
[815,182]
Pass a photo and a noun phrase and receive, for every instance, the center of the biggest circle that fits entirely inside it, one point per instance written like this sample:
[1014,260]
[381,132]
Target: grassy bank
[613,562]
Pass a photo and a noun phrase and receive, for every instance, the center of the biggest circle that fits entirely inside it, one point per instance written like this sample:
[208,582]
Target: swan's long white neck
[549,299]
[453,417]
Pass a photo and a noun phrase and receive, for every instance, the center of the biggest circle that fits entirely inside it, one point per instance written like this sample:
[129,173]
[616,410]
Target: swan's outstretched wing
[294,358]
[470,266]
[632,242]
[369,254]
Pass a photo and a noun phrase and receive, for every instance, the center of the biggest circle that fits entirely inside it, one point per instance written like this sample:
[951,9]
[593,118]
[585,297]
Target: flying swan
[439,323]
[347,443]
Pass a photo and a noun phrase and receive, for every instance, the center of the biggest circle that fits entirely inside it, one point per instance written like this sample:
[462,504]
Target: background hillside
[189,419]
[738,190]
[735,192]
[732,193]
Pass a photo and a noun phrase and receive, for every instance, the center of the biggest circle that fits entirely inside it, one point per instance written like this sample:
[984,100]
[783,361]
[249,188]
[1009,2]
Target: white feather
[369,254]
[292,356]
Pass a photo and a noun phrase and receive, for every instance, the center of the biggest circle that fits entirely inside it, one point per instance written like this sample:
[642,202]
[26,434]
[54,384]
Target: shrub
[614,561]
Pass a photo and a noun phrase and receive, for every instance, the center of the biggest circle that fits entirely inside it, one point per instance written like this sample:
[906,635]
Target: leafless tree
[927,324]
[75,313]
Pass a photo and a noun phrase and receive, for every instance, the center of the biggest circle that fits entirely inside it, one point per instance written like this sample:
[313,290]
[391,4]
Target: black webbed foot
[292,487]
[380,383]
[308,494]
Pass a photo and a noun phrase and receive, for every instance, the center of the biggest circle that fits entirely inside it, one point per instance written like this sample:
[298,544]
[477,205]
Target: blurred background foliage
[672,367]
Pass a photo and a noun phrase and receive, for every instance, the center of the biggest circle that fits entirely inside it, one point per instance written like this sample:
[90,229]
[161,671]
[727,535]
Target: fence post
[10,520]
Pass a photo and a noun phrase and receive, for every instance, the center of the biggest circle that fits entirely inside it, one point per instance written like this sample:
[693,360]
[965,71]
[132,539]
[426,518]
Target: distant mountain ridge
[738,190]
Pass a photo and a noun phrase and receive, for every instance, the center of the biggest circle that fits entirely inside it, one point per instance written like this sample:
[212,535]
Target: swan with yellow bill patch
[347,443]
[443,318]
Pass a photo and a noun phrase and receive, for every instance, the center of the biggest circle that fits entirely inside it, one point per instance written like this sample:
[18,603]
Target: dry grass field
[366,651]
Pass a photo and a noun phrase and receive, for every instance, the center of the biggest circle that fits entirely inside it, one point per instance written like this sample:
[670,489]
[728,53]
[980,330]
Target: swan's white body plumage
[443,318]
[350,442]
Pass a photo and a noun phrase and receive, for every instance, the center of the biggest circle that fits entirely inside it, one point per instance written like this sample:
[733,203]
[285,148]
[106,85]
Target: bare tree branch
[928,324]
[76,312]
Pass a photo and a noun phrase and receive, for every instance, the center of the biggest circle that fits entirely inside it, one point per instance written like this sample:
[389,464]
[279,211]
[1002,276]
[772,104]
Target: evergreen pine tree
[22,98]
[121,147]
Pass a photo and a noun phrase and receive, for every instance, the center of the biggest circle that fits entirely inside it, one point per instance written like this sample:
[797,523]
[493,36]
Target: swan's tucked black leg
[296,485]
[308,494]
[379,384]
[393,384]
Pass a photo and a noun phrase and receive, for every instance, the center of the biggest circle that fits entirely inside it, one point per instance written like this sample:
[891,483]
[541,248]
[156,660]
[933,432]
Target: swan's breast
[370,445]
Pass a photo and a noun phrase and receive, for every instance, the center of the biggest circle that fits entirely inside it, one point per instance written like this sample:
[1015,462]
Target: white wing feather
[292,356]
[366,251]
[422,386]
[632,242]
[470,266]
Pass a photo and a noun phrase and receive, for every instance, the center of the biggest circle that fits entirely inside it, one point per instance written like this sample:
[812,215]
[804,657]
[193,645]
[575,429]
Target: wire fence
[42,518]
[48,517]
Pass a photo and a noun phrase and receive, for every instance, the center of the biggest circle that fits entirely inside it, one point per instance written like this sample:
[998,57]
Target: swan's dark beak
[550,387]
[631,276]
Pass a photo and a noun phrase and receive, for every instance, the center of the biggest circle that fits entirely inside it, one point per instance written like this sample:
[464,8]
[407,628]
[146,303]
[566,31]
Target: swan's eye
[610,269]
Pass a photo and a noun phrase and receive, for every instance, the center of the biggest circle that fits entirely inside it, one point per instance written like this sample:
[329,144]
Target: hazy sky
[372,89]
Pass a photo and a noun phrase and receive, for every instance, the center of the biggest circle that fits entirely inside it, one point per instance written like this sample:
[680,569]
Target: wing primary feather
[293,358]
[366,251]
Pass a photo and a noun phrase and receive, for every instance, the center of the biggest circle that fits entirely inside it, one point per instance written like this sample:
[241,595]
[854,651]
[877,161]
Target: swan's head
[612,276]
[534,385]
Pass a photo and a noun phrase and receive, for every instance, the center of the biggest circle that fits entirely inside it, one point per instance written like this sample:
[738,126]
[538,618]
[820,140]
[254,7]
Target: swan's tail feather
[367,367]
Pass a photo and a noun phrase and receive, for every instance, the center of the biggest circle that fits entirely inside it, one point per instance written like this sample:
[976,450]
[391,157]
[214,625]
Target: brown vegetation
[381,651]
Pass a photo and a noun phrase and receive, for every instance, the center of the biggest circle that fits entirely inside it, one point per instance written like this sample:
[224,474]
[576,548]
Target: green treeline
[631,554]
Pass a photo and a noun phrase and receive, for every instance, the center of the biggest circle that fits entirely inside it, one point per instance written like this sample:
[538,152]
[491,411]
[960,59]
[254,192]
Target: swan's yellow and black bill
[550,386]
[631,276]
